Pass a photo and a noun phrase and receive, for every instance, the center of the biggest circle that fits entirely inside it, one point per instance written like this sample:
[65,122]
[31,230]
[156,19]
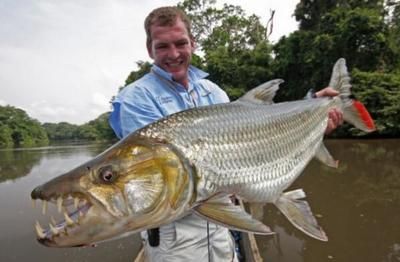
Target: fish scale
[227,155]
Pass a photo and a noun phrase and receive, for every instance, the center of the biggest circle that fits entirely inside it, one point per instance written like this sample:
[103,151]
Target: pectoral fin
[325,157]
[299,214]
[257,210]
[232,216]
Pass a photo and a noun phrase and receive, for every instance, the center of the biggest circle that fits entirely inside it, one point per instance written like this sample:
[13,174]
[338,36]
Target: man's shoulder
[145,84]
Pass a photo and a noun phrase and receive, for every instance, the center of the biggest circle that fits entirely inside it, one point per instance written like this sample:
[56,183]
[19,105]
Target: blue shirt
[157,95]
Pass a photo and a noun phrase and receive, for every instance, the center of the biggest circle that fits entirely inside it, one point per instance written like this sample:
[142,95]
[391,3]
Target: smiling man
[171,47]
[174,85]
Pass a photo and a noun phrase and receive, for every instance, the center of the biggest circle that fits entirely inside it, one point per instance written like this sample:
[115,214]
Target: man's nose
[173,52]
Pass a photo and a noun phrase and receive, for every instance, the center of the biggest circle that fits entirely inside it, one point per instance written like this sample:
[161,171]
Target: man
[174,85]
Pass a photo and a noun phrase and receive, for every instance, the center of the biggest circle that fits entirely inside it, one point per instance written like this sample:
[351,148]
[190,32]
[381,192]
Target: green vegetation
[95,130]
[237,54]
[19,130]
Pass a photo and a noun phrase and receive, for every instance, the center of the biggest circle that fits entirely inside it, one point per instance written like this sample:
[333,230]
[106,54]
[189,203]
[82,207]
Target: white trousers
[186,240]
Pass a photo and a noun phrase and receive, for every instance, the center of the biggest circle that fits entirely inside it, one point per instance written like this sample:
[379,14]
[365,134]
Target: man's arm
[335,115]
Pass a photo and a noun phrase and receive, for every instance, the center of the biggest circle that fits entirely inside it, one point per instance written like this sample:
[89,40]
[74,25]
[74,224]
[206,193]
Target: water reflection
[15,164]
[358,205]
[21,171]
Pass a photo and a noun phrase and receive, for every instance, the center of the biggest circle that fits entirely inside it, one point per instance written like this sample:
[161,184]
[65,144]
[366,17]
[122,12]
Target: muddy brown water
[358,206]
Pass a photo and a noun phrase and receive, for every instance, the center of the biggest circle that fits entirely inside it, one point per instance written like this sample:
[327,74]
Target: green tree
[311,13]
[6,139]
[61,131]
[363,32]
[87,132]
[143,68]
[380,93]
[97,129]
[102,128]
[19,130]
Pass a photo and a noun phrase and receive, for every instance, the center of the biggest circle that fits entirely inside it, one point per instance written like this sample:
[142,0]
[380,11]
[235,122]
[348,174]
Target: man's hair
[165,16]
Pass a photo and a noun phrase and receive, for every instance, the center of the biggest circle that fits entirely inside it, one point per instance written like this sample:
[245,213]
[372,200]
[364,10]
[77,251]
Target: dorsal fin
[262,94]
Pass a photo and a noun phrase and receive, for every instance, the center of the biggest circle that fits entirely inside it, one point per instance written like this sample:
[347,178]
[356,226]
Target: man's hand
[335,115]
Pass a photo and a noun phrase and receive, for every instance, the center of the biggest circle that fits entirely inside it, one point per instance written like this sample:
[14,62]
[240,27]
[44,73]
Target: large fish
[193,160]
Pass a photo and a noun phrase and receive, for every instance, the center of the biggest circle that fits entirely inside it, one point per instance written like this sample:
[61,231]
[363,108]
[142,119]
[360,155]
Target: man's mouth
[175,64]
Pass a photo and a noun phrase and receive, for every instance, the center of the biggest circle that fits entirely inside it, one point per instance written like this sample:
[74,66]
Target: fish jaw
[137,184]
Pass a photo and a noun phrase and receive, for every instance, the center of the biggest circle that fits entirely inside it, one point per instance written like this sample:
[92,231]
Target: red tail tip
[364,115]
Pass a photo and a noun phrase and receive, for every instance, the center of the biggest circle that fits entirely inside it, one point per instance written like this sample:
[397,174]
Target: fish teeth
[68,220]
[39,230]
[44,207]
[59,204]
[54,230]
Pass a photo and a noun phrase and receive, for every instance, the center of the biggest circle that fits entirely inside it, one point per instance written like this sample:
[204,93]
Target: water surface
[358,206]
[20,172]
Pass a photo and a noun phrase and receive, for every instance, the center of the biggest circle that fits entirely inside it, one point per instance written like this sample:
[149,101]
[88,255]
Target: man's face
[171,49]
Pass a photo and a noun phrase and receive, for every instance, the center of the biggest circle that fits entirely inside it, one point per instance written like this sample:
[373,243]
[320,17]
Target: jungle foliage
[234,49]
[95,130]
[19,130]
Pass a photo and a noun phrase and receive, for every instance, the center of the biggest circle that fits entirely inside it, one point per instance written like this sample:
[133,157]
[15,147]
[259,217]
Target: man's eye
[180,44]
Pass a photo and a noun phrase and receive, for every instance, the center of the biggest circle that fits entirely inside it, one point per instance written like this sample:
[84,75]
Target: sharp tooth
[39,230]
[33,203]
[76,202]
[59,204]
[53,229]
[68,220]
[44,207]
[53,220]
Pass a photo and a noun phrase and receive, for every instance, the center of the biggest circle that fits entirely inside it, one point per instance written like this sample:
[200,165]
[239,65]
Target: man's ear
[149,50]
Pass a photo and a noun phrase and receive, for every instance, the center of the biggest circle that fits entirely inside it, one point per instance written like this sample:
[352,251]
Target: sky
[64,60]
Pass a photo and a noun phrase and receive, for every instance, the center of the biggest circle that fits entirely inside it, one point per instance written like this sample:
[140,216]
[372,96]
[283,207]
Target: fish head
[137,184]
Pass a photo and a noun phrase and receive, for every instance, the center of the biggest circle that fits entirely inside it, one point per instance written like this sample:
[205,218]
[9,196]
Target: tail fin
[354,111]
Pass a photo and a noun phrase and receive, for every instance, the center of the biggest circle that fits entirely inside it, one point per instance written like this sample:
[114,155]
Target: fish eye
[107,175]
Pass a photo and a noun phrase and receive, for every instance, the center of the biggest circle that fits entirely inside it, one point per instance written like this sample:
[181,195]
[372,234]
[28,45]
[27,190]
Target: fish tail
[354,112]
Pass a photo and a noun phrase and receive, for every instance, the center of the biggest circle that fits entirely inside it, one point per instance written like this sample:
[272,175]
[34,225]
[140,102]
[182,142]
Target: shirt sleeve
[133,110]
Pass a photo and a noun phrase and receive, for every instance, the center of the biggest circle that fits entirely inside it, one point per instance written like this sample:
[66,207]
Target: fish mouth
[70,211]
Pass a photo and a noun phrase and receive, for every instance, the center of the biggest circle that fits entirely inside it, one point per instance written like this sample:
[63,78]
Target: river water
[358,206]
